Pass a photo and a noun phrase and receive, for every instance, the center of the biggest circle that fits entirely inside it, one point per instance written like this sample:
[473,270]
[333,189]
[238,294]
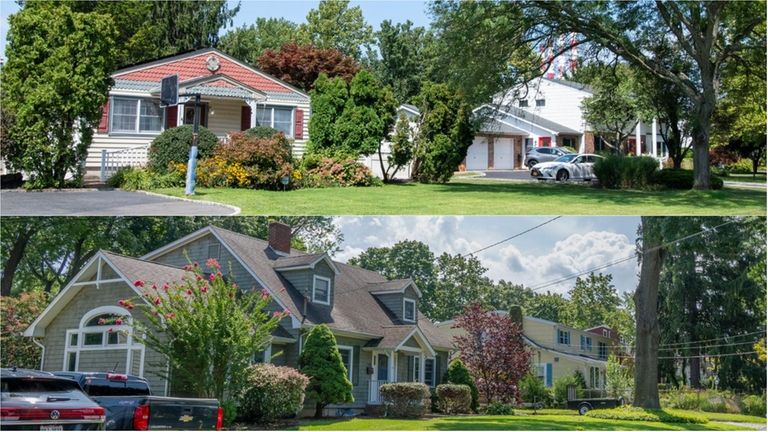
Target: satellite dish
[169,91]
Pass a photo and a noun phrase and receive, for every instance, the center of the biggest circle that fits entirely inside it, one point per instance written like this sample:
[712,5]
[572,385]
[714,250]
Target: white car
[567,167]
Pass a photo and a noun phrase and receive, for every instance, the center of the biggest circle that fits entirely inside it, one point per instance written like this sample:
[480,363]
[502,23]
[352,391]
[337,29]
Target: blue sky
[374,11]
[563,247]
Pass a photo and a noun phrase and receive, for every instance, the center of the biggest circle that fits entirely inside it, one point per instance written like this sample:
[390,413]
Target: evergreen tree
[328,99]
[457,373]
[321,362]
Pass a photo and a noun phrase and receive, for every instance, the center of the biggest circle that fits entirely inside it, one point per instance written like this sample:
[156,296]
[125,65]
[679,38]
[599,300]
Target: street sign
[169,91]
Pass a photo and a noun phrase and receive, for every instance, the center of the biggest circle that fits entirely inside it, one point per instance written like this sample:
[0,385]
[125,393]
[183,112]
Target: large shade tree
[333,24]
[248,43]
[54,83]
[301,65]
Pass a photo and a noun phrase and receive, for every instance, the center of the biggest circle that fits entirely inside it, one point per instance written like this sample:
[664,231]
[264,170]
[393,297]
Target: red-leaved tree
[493,350]
[300,65]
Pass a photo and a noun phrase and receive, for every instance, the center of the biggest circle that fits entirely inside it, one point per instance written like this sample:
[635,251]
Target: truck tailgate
[167,413]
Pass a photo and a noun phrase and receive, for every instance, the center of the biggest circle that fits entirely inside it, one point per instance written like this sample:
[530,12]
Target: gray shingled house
[381,334]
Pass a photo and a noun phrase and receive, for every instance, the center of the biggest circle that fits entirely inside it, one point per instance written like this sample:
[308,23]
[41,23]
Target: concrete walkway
[755,426]
[93,202]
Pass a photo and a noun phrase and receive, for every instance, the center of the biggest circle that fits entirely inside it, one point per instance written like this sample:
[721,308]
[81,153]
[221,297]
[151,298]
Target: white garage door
[503,154]
[477,155]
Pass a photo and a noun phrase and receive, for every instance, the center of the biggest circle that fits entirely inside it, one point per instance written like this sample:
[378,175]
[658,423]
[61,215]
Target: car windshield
[566,158]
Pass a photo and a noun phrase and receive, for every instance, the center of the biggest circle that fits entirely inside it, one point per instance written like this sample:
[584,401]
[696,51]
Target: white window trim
[314,285]
[136,131]
[271,124]
[351,359]
[406,301]
[434,370]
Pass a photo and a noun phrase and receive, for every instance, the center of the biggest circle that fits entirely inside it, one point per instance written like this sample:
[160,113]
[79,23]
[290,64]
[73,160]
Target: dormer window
[321,290]
[540,102]
[409,310]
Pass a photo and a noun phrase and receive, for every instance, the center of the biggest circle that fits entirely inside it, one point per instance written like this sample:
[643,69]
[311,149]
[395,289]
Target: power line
[694,342]
[633,256]
[701,356]
[512,237]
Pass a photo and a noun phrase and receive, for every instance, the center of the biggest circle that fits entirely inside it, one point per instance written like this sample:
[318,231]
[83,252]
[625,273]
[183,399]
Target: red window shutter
[171,116]
[245,118]
[104,122]
[298,124]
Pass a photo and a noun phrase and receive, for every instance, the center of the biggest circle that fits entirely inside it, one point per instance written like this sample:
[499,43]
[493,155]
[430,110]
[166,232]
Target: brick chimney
[280,237]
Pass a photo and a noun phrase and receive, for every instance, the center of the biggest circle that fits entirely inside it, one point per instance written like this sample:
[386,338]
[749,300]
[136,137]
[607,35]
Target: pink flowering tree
[493,350]
[206,327]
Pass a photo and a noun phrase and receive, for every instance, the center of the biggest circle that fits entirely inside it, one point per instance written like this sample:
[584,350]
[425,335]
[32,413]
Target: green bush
[434,401]
[701,400]
[405,400]
[457,373]
[454,398]
[172,146]
[336,173]
[742,166]
[498,409]
[533,390]
[265,160]
[624,172]
[561,388]
[230,412]
[682,179]
[263,132]
[754,405]
[644,414]
[272,392]
[131,178]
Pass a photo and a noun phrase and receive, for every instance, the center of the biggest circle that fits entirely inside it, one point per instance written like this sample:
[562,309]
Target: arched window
[103,328]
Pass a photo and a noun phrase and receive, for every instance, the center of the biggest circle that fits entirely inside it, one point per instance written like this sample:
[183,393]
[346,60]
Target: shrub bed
[454,398]
[141,179]
[623,172]
[533,390]
[407,400]
[272,392]
[264,160]
[330,172]
[498,409]
[682,179]
[754,405]
[643,414]
[172,146]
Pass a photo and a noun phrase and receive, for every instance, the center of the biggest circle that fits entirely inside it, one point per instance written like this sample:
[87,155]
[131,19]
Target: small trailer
[583,405]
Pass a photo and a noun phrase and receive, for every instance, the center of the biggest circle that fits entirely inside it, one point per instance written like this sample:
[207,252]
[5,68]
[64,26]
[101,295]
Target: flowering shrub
[187,319]
[216,172]
[16,314]
[266,160]
[405,399]
[329,172]
[272,392]
[454,398]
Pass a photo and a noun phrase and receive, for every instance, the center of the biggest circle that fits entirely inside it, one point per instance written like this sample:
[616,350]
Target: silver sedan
[567,167]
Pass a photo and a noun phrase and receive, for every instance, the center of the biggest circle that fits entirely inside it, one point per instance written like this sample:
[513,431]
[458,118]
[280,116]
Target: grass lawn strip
[527,422]
[466,196]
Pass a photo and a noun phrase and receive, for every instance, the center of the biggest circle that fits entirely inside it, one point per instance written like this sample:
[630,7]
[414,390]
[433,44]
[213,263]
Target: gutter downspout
[42,355]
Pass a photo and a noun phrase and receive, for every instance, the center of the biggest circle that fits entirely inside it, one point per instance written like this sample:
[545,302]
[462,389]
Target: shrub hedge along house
[381,335]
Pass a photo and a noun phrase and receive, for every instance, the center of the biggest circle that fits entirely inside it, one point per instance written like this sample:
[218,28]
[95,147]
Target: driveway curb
[236,210]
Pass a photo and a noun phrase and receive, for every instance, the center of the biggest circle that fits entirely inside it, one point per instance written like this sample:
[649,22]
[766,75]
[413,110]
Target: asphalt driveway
[102,203]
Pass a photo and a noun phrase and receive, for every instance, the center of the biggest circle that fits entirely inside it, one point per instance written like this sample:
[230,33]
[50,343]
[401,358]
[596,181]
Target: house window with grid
[409,310]
[563,337]
[321,290]
[602,350]
[280,118]
[429,372]
[586,343]
[135,115]
[347,354]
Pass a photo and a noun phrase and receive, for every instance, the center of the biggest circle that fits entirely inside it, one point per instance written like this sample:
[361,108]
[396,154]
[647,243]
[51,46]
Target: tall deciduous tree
[301,65]
[54,83]
[336,25]
[400,148]
[445,132]
[593,300]
[248,43]
[321,362]
[401,47]
[493,350]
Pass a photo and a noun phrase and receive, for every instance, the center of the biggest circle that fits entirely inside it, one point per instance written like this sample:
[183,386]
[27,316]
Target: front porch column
[252,103]
[553,141]
[638,143]
[421,367]
[392,366]
[582,143]
[653,137]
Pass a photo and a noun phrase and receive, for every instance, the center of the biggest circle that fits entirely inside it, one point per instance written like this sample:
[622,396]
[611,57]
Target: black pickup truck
[130,405]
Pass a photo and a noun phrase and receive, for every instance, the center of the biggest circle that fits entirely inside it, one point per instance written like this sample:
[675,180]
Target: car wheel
[531,163]
[584,408]
[562,175]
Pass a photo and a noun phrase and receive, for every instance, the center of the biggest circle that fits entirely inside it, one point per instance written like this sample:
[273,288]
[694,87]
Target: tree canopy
[248,43]
[333,24]
[301,65]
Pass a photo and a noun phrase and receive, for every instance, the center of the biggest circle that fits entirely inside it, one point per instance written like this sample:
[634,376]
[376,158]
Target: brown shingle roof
[150,272]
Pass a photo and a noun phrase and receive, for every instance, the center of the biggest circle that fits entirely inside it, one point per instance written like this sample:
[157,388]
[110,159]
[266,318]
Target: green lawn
[711,416]
[746,178]
[466,196]
[518,422]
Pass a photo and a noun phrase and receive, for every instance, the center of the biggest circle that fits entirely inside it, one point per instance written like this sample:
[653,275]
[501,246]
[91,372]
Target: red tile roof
[195,67]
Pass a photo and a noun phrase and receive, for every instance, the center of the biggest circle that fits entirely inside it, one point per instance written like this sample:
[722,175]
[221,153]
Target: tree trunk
[381,163]
[704,106]
[318,410]
[14,258]
[647,330]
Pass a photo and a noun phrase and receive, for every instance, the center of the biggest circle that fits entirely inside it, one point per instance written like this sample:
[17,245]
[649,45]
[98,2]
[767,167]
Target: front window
[602,350]
[321,290]
[563,337]
[409,310]
[104,329]
[347,358]
[279,118]
[133,115]
[189,114]
[429,372]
